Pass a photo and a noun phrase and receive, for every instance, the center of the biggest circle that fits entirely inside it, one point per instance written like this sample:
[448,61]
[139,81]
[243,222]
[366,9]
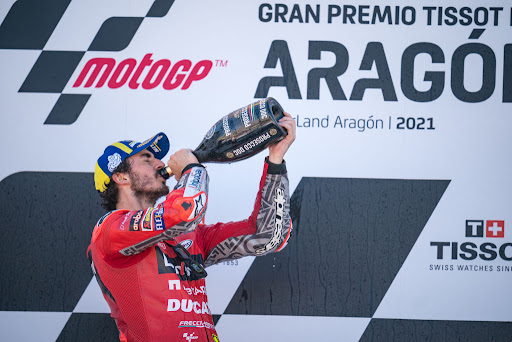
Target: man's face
[146,181]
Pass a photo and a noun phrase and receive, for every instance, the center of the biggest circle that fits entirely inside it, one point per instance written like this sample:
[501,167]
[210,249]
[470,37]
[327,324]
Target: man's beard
[142,191]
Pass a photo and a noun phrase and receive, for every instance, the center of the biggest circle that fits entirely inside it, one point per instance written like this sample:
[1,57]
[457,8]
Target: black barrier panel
[351,236]
[396,330]
[47,221]
[89,328]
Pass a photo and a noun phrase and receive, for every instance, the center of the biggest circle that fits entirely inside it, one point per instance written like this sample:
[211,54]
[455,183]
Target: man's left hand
[278,150]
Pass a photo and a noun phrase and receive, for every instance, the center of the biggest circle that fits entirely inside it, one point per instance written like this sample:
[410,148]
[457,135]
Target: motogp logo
[147,74]
[190,337]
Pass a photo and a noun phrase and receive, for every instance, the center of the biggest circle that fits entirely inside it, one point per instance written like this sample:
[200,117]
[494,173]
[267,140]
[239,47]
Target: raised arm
[266,230]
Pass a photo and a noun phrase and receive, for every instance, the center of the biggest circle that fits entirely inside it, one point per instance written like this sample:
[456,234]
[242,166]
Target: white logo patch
[113,161]
[186,243]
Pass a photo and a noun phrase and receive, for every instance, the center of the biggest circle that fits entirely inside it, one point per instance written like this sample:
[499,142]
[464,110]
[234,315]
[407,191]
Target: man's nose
[159,164]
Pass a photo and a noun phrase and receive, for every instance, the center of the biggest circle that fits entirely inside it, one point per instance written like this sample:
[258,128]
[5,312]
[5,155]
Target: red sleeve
[266,230]
[215,234]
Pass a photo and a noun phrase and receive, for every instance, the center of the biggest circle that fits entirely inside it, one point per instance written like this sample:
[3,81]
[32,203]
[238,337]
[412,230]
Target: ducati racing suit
[153,294]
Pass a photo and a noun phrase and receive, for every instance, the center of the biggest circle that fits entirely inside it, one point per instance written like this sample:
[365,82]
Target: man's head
[130,169]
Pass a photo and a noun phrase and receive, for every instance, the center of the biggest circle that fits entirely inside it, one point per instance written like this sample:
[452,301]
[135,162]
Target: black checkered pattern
[30,23]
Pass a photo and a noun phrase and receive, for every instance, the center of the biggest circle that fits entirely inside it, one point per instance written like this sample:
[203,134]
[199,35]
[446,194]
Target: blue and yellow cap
[116,153]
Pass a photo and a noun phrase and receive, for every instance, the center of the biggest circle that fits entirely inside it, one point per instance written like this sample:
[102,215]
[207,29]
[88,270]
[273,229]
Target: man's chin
[154,195]
[163,191]
[162,196]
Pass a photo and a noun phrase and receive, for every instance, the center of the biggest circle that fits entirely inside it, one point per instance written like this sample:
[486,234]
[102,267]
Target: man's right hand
[179,160]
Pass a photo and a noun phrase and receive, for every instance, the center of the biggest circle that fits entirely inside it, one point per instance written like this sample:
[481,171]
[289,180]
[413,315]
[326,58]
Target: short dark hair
[111,194]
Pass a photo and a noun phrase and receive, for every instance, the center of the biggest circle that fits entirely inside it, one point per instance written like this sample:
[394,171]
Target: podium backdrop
[401,171]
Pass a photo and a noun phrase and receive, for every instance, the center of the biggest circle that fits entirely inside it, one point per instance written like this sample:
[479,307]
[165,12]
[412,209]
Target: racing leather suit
[153,294]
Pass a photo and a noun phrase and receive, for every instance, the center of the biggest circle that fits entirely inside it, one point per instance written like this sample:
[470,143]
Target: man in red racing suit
[149,262]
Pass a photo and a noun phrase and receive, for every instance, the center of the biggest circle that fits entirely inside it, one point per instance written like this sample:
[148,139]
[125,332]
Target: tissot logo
[493,229]
[476,230]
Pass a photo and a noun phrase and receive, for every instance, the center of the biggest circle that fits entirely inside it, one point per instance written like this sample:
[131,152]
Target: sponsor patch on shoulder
[158,218]
[146,220]
[135,220]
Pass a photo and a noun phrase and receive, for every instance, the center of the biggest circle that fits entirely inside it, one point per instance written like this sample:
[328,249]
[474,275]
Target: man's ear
[120,178]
